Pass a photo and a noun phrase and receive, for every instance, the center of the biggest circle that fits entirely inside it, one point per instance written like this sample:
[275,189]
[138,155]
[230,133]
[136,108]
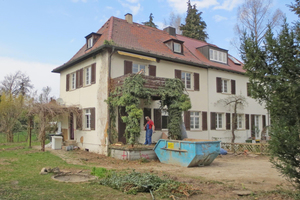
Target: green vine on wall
[129,95]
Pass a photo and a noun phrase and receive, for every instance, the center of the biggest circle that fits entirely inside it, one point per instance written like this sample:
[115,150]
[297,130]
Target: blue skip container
[188,152]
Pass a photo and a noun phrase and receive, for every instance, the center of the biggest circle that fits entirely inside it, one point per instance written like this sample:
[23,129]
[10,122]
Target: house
[121,47]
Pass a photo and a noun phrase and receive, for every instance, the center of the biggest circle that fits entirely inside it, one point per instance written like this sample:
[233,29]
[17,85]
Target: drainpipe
[108,92]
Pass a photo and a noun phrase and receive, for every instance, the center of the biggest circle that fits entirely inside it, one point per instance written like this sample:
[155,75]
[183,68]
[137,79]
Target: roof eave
[99,49]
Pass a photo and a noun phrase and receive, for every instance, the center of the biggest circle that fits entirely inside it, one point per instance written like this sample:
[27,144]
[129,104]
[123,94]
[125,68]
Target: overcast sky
[39,35]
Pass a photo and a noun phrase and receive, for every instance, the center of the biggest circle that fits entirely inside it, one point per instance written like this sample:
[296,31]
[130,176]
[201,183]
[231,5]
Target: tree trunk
[29,132]
[234,121]
[10,136]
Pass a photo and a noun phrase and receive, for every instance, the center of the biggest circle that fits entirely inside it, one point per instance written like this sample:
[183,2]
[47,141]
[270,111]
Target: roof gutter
[99,49]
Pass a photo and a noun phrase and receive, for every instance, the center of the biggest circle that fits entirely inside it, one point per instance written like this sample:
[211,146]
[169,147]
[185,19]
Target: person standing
[150,128]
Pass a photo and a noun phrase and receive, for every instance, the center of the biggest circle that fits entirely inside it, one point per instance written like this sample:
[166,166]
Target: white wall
[87,97]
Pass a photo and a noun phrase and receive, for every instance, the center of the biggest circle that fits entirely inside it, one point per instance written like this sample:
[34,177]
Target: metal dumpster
[187,153]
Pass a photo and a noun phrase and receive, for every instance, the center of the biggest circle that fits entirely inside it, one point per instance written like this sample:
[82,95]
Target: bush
[99,172]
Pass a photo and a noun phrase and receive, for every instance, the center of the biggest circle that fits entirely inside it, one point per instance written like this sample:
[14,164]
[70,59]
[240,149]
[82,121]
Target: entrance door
[71,128]
[121,125]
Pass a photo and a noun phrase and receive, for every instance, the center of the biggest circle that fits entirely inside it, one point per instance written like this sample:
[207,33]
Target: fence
[257,148]
[18,137]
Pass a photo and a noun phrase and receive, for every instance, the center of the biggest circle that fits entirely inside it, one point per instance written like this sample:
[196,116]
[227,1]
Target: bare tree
[174,21]
[254,16]
[15,84]
[234,102]
[47,110]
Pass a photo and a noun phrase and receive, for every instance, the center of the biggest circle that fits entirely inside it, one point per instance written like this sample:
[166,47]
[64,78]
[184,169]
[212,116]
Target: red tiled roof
[151,41]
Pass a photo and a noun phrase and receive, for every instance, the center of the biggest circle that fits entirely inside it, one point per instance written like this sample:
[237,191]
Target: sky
[40,35]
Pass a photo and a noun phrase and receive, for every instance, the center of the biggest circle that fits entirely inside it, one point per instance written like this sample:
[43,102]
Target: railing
[256,148]
[151,81]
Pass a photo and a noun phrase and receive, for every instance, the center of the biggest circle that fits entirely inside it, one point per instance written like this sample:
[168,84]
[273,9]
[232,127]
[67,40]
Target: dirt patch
[73,178]
[12,148]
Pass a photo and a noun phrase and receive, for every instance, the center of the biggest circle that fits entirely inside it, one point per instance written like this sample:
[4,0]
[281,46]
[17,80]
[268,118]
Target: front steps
[69,145]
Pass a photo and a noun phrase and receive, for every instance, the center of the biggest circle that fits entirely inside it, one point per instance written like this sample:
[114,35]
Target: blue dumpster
[187,153]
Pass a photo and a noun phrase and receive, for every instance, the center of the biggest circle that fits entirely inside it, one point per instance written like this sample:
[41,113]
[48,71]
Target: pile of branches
[134,182]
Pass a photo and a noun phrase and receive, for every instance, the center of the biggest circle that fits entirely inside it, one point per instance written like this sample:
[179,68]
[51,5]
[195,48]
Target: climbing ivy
[130,94]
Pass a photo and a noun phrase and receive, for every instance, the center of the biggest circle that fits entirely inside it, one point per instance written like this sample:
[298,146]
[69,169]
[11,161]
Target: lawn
[20,179]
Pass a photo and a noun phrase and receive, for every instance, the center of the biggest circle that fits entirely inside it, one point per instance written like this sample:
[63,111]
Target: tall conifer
[150,22]
[194,26]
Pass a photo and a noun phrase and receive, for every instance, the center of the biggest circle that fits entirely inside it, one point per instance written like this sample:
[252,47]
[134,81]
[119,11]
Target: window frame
[178,45]
[193,117]
[240,118]
[86,69]
[139,68]
[87,119]
[73,81]
[223,85]
[185,79]
[90,42]
[217,121]
[217,56]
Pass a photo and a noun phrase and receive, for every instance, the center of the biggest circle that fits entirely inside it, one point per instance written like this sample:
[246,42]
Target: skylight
[235,61]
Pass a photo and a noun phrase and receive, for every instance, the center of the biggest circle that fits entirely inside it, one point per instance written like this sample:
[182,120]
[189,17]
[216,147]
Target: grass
[20,179]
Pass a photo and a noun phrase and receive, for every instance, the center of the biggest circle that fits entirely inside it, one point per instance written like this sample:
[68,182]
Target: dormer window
[90,42]
[91,39]
[175,45]
[218,56]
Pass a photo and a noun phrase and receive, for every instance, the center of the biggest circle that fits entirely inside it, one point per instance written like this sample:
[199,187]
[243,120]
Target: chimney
[171,30]
[128,18]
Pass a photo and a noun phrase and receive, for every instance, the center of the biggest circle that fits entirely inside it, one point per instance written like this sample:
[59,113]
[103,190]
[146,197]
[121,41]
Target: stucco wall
[88,97]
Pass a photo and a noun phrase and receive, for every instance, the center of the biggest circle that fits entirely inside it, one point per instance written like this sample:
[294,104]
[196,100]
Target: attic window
[90,42]
[235,61]
[177,47]
[218,56]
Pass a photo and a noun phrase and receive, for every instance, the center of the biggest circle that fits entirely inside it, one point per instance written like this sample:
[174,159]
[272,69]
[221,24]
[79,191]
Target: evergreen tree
[150,22]
[274,71]
[194,26]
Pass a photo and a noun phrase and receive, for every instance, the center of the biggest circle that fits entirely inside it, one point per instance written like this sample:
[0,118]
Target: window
[137,67]
[87,118]
[240,119]
[164,119]
[88,72]
[177,47]
[73,81]
[219,120]
[218,56]
[186,79]
[195,120]
[256,125]
[90,42]
[224,86]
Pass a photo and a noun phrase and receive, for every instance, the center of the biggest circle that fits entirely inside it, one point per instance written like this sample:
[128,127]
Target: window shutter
[248,90]
[204,121]
[196,82]
[157,119]
[212,121]
[234,123]
[178,74]
[247,121]
[93,119]
[264,121]
[187,120]
[79,120]
[227,121]
[219,85]
[81,78]
[147,112]
[232,86]
[252,126]
[127,67]
[152,70]
[68,82]
[93,77]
